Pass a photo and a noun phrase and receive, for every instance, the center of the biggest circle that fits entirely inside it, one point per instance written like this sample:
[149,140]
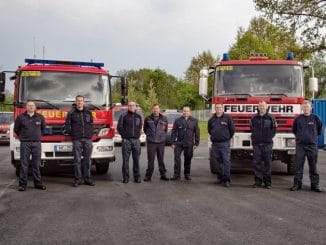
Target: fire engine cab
[53,86]
[240,84]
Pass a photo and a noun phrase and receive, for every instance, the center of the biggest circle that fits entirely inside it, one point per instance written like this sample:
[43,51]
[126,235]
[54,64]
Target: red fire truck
[53,85]
[241,84]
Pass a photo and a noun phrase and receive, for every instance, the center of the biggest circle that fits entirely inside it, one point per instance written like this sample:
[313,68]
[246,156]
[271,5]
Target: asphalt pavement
[159,212]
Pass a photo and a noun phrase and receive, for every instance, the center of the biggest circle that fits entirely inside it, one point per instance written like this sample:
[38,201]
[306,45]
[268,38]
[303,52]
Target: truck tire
[291,168]
[17,170]
[291,165]
[102,167]
[15,163]
[213,167]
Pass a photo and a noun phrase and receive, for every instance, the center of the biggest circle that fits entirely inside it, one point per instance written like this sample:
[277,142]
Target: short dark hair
[262,101]
[30,101]
[80,96]
[306,101]
[155,104]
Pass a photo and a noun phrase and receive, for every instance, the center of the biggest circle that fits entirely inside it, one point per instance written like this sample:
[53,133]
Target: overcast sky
[124,34]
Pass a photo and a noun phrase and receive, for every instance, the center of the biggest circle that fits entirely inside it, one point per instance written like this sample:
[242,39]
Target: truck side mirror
[203,81]
[313,85]
[124,86]
[2,86]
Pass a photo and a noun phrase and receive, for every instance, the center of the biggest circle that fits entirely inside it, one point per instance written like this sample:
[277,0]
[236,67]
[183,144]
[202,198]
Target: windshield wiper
[279,94]
[47,102]
[93,106]
[240,94]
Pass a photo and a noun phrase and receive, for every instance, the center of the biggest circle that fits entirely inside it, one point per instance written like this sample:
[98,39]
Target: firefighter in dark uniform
[155,128]
[221,129]
[29,127]
[79,124]
[129,127]
[306,128]
[263,129]
[185,138]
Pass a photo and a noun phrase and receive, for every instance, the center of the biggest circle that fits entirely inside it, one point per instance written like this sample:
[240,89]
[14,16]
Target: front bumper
[103,149]
[117,138]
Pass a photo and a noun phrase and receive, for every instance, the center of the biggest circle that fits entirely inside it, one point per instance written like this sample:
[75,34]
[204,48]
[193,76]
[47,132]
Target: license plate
[291,152]
[63,148]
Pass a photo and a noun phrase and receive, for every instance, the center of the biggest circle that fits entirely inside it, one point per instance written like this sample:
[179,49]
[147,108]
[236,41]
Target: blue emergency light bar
[290,56]
[226,57]
[63,62]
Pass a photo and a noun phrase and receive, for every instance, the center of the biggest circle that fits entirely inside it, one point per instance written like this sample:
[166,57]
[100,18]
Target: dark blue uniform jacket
[307,129]
[185,132]
[29,128]
[263,129]
[79,124]
[130,125]
[156,133]
[221,129]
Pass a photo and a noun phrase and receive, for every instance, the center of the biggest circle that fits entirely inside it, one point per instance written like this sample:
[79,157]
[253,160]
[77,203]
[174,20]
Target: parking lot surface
[158,212]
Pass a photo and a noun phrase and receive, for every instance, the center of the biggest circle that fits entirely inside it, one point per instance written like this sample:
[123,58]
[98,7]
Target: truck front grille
[56,130]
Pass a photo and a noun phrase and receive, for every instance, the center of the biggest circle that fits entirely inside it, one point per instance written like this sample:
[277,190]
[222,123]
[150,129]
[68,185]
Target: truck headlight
[290,142]
[103,131]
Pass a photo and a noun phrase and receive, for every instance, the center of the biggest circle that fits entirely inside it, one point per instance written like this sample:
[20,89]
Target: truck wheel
[291,168]
[17,171]
[291,165]
[213,167]
[102,168]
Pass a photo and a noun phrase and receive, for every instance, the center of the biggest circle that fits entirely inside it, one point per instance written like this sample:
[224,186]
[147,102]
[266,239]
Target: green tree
[264,37]
[7,105]
[151,98]
[204,59]
[187,94]
[305,18]
[162,82]
[197,63]
[319,64]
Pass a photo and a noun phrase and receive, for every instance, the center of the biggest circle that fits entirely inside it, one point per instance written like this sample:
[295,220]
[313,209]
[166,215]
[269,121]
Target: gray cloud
[124,34]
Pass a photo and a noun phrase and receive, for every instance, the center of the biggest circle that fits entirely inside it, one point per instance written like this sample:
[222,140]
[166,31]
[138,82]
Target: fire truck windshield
[254,80]
[61,87]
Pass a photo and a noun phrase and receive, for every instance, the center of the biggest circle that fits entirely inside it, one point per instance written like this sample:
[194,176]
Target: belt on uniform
[31,141]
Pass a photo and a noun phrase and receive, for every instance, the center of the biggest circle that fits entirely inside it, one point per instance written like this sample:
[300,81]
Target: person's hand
[173,146]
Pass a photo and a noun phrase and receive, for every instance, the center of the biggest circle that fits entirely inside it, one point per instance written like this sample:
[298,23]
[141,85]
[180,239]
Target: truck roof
[258,61]
[66,66]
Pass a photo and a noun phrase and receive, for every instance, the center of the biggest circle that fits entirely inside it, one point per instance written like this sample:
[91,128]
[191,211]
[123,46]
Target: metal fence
[202,115]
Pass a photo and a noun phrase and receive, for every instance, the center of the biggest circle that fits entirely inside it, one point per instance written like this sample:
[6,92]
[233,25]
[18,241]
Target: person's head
[132,106]
[30,106]
[219,109]
[79,102]
[186,111]
[156,109]
[306,107]
[262,106]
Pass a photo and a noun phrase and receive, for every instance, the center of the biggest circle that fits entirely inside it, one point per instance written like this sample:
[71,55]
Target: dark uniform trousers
[130,146]
[82,166]
[27,149]
[152,150]
[263,153]
[311,152]
[188,153]
[221,154]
